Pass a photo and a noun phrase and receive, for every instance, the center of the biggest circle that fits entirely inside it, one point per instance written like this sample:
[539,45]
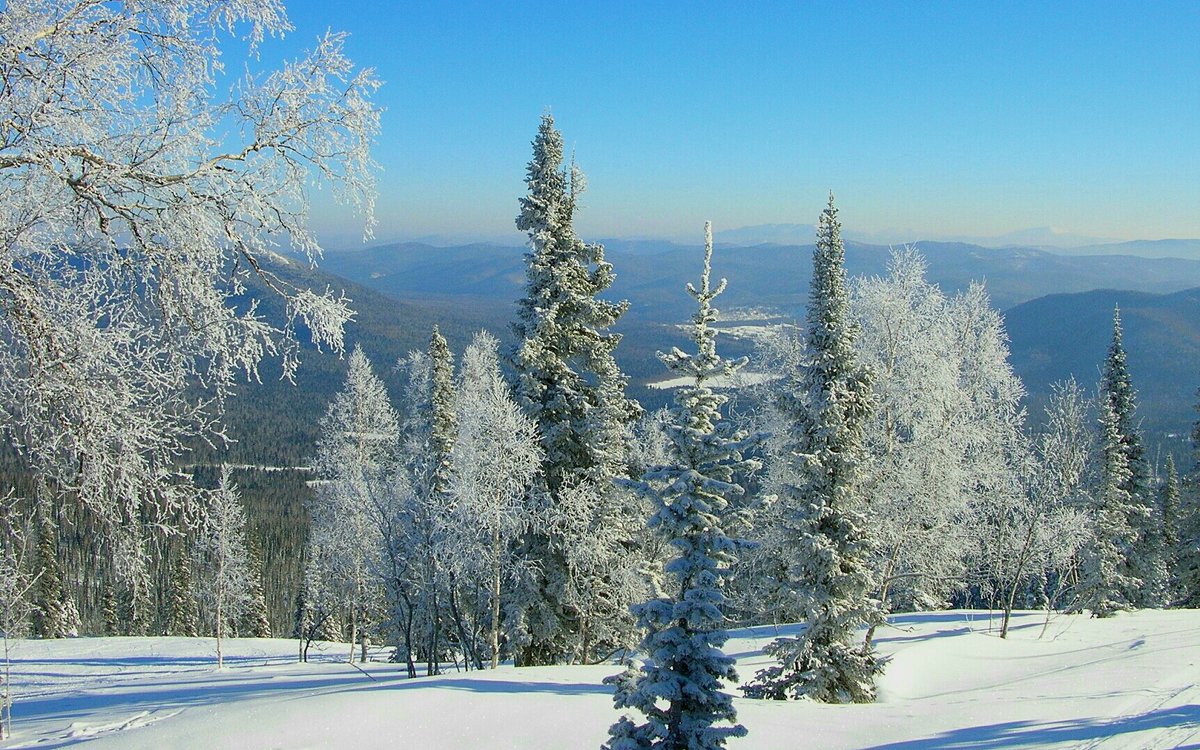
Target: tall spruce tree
[678,688]
[822,533]
[568,383]
[1143,565]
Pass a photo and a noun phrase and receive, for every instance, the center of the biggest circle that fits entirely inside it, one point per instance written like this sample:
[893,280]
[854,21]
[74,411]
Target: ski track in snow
[1128,682]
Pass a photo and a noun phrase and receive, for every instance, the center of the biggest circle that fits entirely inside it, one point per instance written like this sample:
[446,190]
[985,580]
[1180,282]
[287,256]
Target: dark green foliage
[822,535]
[567,382]
[181,613]
[1142,568]
[49,615]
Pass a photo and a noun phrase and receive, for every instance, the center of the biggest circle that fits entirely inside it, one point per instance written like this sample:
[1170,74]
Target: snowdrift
[951,683]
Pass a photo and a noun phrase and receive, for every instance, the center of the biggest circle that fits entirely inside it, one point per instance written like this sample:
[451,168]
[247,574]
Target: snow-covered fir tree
[1105,584]
[254,622]
[181,609]
[678,688]
[1170,511]
[822,534]
[496,455]
[316,608]
[1143,561]
[224,561]
[569,384]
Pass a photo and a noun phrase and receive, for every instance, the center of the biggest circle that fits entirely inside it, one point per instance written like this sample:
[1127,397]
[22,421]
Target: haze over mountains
[1058,320]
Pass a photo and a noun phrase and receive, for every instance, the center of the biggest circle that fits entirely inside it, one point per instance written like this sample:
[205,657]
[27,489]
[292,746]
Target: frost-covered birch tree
[569,384]
[15,602]
[140,186]
[496,455]
[821,532]
[221,552]
[356,455]
[678,687]
[919,435]
[1035,533]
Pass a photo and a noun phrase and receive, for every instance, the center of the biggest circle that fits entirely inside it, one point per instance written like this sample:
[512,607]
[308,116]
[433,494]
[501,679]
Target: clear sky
[925,119]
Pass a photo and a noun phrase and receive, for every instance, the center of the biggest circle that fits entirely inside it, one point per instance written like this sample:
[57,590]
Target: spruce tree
[1105,583]
[254,621]
[49,617]
[678,689]
[1143,566]
[181,614]
[568,383]
[822,533]
[1170,511]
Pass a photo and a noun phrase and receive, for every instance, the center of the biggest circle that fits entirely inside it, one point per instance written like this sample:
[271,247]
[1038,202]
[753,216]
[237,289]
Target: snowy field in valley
[1125,682]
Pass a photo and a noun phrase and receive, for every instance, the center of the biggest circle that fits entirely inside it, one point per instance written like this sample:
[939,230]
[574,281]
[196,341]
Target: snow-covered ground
[1125,682]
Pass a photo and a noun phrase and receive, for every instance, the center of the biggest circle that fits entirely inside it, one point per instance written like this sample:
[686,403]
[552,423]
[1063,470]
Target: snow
[737,380]
[951,683]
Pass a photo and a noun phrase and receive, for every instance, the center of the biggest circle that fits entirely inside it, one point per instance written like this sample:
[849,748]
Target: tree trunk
[470,653]
[220,628]
[432,666]
[495,635]
[408,636]
[883,592]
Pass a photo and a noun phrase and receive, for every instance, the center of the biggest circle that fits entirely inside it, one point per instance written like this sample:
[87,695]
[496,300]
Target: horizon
[929,122]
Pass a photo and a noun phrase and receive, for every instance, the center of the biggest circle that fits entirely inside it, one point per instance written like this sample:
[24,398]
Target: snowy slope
[1127,682]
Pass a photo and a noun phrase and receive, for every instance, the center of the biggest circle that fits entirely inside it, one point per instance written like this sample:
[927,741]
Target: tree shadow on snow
[1027,733]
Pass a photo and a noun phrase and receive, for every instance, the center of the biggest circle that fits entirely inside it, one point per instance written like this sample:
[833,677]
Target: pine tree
[1144,566]
[254,621]
[823,535]
[678,689]
[1105,585]
[181,615]
[1171,521]
[49,618]
[108,610]
[568,383]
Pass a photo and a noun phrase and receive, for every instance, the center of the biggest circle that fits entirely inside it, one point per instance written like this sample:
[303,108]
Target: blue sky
[925,119]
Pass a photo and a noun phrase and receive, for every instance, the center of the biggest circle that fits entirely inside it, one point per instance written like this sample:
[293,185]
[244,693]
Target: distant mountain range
[651,275]
[1041,238]
[1068,335]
